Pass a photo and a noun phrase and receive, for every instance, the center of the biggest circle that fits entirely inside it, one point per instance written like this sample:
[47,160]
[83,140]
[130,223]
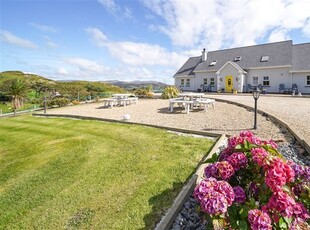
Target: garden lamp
[256,94]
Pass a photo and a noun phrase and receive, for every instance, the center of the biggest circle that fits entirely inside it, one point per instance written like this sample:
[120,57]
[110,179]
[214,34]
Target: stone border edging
[168,219]
[299,138]
[203,133]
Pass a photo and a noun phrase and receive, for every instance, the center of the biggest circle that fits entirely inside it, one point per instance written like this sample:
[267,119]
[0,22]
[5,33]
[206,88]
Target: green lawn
[71,174]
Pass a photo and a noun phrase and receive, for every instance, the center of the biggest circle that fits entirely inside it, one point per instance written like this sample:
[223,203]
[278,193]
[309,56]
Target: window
[265,81]
[182,82]
[255,80]
[212,81]
[264,58]
[188,82]
[213,63]
[237,59]
[308,80]
[205,81]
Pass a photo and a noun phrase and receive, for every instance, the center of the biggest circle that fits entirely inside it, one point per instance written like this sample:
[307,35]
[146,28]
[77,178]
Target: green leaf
[212,159]
[243,225]
[282,223]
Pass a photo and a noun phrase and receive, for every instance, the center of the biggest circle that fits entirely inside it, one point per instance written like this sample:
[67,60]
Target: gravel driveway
[225,118]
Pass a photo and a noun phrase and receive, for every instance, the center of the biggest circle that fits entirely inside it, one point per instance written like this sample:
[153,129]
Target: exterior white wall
[276,76]
[177,83]
[201,75]
[300,80]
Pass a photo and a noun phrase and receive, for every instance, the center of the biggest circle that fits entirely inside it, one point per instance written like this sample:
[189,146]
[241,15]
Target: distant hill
[7,75]
[138,84]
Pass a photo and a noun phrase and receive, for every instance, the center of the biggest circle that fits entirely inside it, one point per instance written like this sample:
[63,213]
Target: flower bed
[250,186]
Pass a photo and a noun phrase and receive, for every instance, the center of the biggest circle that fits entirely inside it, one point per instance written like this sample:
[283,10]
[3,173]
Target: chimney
[204,55]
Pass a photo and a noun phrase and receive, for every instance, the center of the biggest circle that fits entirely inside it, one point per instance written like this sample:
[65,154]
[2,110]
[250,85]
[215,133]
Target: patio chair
[294,89]
[250,88]
[281,88]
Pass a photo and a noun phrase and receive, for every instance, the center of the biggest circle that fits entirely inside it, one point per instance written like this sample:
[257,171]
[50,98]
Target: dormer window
[213,63]
[264,58]
[237,59]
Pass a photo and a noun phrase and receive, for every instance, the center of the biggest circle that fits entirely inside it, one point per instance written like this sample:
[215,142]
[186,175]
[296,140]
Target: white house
[274,67]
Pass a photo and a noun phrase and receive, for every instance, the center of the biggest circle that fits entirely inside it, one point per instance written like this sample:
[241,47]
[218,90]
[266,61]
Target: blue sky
[137,39]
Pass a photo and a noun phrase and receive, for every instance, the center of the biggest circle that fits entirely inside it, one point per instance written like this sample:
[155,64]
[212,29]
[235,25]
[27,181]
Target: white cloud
[10,38]
[116,10]
[62,71]
[306,29]
[220,24]
[44,28]
[278,35]
[86,65]
[137,54]
[97,36]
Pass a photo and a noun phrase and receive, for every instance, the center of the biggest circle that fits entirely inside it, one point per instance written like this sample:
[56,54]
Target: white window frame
[182,82]
[205,81]
[255,79]
[308,80]
[264,58]
[188,82]
[212,81]
[266,81]
[213,63]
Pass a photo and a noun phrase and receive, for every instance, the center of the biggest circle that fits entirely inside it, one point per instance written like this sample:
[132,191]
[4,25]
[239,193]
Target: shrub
[268,191]
[75,102]
[170,92]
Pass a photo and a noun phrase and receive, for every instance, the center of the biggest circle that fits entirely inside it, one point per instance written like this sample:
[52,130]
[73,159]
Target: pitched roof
[189,66]
[301,57]
[280,54]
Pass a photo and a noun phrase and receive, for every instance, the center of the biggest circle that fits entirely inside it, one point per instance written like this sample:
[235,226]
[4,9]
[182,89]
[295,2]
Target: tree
[42,86]
[17,89]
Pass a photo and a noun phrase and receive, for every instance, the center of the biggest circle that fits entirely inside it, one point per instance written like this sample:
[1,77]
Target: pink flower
[225,153]
[214,196]
[225,170]
[237,160]
[260,156]
[278,174]
[271,143]
[282,203]
[259,220]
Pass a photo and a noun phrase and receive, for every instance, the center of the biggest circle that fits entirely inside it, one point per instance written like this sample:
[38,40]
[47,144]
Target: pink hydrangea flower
[225,153]
[238,160]
[260,156]
[240,196]
[278,174]
[259,220]
[225,169]
[282,203]
[214,196]
[271,143]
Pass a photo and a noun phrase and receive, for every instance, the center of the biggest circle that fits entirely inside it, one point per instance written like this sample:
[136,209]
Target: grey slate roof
[301,57]
[189,66]
[280,54]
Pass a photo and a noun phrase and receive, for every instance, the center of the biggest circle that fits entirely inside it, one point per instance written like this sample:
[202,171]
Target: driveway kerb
[299,138]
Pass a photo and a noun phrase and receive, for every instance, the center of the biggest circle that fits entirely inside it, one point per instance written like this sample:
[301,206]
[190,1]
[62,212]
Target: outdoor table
[187,104]
[191,97]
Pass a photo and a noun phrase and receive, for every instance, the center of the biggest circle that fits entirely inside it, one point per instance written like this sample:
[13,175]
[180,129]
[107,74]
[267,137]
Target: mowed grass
[58,173]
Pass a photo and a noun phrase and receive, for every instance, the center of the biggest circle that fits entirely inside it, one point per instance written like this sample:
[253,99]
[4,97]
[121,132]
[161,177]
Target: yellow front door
[229,84]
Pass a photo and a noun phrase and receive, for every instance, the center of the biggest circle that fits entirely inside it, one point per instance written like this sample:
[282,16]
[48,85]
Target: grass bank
[60,173]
